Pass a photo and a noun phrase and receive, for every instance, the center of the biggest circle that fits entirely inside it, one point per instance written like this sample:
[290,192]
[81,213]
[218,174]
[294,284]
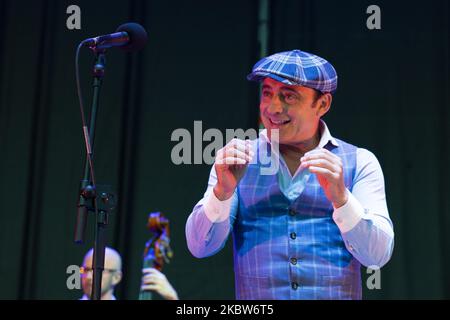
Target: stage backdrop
[393,99]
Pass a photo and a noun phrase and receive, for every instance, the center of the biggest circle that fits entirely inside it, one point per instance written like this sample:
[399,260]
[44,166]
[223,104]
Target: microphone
[128,37]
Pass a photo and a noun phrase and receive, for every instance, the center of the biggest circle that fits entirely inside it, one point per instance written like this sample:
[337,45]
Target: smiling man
[305,231]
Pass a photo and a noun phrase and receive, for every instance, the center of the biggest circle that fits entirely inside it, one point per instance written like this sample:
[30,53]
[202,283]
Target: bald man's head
[112,273]
[113,260]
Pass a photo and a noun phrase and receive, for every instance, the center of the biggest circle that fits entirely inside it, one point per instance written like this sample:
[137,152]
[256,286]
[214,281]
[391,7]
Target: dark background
[392,99]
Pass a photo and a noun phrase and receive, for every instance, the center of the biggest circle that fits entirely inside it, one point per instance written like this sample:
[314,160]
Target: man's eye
[289,97]
[266,94]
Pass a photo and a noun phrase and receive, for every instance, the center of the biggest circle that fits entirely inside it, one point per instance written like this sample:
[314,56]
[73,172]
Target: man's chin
[280,136]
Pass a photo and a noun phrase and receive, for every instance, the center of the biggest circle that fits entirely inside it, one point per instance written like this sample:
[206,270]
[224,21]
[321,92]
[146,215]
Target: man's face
[109,277]
[291,109]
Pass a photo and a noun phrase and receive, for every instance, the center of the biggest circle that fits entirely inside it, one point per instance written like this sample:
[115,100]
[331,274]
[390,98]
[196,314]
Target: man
[303,232]
[152,279]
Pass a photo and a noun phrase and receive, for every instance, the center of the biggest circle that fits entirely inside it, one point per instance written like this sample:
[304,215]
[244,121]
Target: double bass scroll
[157,250]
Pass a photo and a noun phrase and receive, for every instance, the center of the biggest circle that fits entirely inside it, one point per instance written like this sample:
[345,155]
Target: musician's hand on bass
[156,281]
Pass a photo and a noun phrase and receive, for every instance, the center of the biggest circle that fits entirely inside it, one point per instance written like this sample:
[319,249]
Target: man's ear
[323,104]
[117,277]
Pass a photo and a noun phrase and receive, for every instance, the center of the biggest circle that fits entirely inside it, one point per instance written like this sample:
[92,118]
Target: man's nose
[275,105]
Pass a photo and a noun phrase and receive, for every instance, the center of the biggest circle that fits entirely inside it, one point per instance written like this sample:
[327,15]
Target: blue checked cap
[297,68]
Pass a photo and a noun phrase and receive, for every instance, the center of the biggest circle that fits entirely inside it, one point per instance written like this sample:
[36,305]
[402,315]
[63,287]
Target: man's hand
[156,281]
[329,171]
[231,163]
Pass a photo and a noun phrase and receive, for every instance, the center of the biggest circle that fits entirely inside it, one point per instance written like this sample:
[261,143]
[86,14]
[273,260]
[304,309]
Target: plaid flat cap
[297,68]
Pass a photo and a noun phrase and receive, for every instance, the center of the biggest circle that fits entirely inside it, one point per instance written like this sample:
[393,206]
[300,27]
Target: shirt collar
[325,135]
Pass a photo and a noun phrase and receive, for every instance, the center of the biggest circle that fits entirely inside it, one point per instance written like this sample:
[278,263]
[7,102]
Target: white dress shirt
[363,220]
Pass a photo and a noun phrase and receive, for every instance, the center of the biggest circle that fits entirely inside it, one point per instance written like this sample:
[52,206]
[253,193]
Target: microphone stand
[93,197]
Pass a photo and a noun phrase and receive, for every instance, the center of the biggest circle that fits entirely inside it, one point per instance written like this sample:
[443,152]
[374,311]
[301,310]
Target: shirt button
[350,247]
[292,212]
[294,285]
[294,261]
[293,235]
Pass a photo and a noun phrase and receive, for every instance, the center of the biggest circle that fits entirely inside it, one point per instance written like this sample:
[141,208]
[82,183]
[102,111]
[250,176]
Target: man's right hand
[231,164]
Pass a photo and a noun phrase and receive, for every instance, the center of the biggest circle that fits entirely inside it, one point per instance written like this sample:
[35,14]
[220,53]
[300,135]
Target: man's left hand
[329,170]
[155,280]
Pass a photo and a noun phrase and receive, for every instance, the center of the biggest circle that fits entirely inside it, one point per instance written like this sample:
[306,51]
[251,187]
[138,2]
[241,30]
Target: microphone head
[138,36]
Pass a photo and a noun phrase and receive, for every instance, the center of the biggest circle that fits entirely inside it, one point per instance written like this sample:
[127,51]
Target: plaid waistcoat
[292,249]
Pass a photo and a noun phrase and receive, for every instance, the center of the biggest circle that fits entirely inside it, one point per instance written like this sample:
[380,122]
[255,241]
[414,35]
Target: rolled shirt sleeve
[210,222]
[364,219]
